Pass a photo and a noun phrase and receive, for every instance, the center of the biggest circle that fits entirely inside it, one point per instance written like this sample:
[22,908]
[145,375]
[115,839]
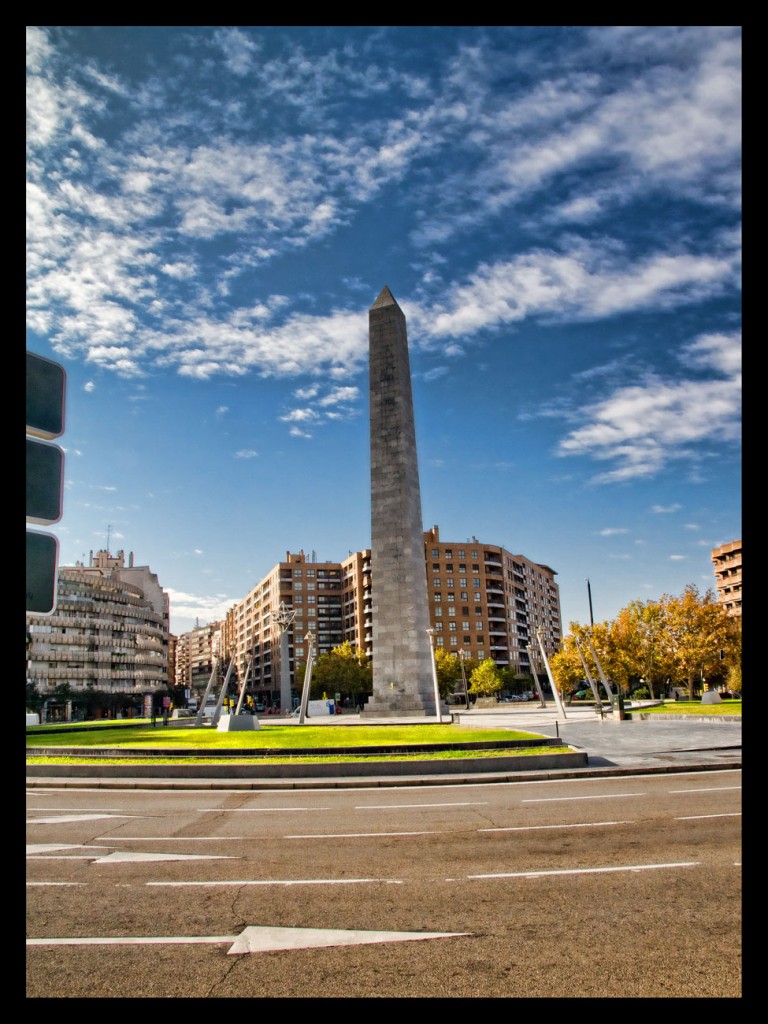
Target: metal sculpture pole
[224,685]
[242,688]
[542,702]
[284,616]
[307,677]
[204,699]
[552,683]
[590,680]
[603,680]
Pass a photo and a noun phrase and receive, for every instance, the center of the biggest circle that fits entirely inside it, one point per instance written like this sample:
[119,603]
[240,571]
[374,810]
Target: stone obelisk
[402,657]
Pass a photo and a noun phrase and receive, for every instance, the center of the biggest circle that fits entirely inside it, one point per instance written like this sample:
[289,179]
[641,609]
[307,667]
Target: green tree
[35,699]
[448,671]
[344,670]
[485,680]
[697,628]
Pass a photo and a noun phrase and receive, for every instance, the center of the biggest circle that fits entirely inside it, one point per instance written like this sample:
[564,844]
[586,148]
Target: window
[462,567]
[461,553]
[479,624]
[438,598]
[465,625]
[438,627]
[473,554]
[476,582]
[435,567]
[438,611]
[449,553]
[435,552]
[449,581]
[462,581]
[297,586]
[436,582]
[478,609]
[452,625]
[311,598]
[451,598]
[449,567]
[454,641]
[297,574]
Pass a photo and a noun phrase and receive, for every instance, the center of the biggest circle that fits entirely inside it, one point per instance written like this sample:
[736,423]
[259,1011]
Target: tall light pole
[431,635]
[589,595]
[284,616]
[462,656]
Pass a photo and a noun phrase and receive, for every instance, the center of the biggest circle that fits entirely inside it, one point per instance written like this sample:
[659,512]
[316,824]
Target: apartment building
[727,564]
[484,600]
[109,630]
[489,602]
[195,655]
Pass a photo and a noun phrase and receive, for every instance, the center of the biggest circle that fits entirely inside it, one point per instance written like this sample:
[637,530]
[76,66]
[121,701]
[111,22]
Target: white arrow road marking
[121,856]
[262,940]
[65,818]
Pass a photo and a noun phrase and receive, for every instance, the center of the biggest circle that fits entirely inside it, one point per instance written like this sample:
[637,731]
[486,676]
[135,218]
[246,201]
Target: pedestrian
[154,715]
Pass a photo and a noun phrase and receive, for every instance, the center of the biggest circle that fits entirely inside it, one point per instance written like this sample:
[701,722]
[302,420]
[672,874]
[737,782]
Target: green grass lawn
[693,707]
[285,740]
[272,737]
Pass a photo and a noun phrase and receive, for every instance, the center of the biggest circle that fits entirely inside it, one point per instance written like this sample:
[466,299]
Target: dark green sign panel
[45,482]
[42,563]
[46,387]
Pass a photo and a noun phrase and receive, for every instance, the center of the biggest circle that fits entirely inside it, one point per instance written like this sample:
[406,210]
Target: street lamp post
[438,713]
[462,656]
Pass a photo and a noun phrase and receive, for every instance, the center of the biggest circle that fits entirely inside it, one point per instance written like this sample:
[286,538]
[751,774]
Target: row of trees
[688,641]
[91,703]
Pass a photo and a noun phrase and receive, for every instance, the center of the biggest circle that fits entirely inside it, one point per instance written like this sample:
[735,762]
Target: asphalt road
[624,887]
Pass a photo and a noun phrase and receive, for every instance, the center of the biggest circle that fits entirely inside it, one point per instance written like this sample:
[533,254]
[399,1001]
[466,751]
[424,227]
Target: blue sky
[211,211]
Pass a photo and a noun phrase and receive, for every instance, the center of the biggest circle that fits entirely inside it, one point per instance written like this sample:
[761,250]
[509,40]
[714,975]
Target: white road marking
[588,871]
[711,789]
[250,810]
[597,796]
[696,817]
[361,835]
[63,819]
[179,839]
[287,881]
[534,828]
[390,807]
[33,848]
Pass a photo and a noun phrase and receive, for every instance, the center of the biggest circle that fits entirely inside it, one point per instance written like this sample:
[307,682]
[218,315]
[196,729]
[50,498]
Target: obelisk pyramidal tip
[386,298]
[402,655]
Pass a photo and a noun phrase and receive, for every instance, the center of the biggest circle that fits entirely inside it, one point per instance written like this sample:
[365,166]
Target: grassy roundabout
[142,743]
